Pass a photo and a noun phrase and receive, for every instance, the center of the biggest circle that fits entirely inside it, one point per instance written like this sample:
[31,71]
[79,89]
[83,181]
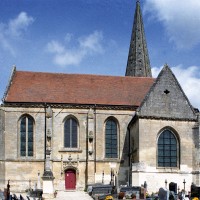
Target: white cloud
[87,45]
[55,47]
[181,20]
[69,58]
[19,24]
[189,79]
[92,42]
[14,28]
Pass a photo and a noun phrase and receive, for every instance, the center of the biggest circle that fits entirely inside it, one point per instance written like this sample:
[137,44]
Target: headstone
[142,193]
[35,186]
[163,194]
[172,195]
[173,187]
[195,191]
[38,182]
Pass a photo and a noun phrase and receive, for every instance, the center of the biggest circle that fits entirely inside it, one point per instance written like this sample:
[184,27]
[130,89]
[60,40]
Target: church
[72,130]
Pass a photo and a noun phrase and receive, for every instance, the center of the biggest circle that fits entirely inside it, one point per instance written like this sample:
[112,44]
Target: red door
[70,179]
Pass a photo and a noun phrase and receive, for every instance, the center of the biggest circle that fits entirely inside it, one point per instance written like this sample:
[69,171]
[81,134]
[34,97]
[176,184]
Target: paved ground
[64,195]
[76,195]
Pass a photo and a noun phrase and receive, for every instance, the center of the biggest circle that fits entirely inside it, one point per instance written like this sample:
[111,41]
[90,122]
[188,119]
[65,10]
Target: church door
[70,179]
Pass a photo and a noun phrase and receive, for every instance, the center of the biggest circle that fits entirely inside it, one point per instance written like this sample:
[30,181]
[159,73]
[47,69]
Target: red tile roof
[38,87]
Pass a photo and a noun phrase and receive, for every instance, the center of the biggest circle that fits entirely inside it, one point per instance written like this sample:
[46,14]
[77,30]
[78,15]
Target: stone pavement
[73,195]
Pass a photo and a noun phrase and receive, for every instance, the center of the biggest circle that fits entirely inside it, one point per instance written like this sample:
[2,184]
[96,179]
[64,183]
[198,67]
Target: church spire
[138,63]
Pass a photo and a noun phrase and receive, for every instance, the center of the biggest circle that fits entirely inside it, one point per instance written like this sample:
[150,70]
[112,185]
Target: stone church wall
[135,141]
[12,132]
[149,132]
[98,164]
[2,148]
[2,129]
[23,172]
[196,150]
[146,169]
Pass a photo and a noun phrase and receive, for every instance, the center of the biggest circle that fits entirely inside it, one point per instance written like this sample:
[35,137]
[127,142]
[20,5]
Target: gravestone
[142,193]
[163,194]
[173,187]
[195,191]
[172,195]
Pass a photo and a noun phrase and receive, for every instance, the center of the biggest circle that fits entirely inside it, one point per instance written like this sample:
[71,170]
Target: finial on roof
[138,63]
[138,2]
[14,68]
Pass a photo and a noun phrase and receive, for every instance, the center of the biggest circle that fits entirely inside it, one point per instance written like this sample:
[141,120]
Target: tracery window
[111,141]
[26,136]
[168,155]
[71,133]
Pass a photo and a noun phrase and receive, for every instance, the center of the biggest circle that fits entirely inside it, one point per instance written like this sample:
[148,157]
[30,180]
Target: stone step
[76,195]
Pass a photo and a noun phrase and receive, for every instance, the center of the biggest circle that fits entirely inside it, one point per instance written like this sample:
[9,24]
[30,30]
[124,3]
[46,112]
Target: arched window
[26,136]
[111,142]
[71,133]
[167,149]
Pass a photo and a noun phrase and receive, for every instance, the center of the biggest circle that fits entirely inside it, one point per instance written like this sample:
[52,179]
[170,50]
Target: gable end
[166,99]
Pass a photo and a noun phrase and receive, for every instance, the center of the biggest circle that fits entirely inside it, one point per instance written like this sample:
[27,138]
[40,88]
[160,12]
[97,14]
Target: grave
[140,192]
[163,194]
[100,191]
[195,191]
[173,187]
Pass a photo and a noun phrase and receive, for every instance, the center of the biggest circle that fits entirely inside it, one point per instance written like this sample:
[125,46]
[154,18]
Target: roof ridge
[78,74]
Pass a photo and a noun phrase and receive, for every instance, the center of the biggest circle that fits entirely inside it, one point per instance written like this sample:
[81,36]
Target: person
[133,196]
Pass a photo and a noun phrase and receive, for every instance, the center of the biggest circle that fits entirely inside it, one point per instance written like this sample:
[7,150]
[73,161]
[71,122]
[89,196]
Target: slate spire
[138,63]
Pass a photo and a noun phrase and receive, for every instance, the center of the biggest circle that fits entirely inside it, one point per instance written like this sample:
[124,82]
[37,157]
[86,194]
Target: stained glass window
[167,149]
[111,144]
[70,133]
[26,136]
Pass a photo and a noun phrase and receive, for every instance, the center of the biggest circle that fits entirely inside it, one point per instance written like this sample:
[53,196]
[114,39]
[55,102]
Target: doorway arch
[70,179]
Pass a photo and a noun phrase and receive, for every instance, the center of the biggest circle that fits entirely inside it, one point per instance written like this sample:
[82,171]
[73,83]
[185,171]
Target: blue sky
[93,36]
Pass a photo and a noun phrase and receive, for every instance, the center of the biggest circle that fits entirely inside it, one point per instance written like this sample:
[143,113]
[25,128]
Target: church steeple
[138,63]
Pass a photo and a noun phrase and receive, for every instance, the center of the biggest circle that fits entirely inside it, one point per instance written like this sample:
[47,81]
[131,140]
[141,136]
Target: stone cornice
[70,106]
[166,118]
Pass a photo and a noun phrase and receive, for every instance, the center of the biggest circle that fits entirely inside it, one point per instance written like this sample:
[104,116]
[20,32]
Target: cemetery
[100,191]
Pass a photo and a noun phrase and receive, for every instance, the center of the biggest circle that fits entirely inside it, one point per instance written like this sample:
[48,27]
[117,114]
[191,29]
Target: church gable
[166,99]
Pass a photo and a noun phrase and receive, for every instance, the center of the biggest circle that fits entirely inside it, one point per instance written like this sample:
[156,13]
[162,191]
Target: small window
[26,136]
[70,133]
[111,141]
[167,149]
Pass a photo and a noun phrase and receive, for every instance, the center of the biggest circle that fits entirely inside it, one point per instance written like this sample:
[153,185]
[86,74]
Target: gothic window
[70,133]
[111,141]
[167,149]
[26,136]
